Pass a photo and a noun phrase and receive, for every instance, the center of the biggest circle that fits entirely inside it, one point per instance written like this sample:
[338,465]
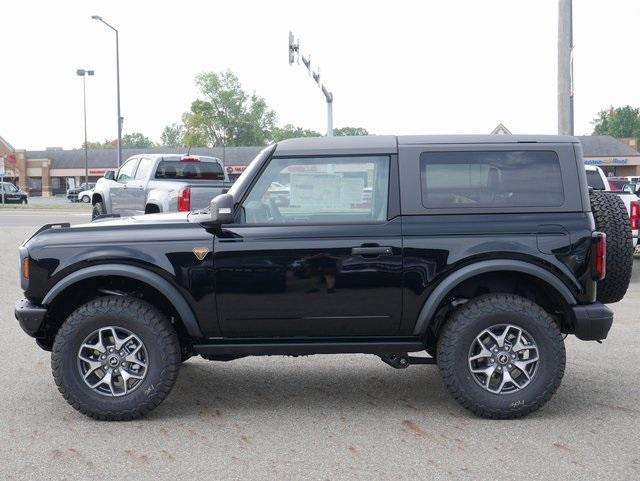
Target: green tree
[227,115]
[172,136]
[618,122]
[290,131]
[350,131]
[136,140]
[107,144]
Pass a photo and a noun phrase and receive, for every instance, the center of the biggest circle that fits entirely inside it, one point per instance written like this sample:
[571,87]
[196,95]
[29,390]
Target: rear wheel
[98,210]
[115,358]
[501,356]
[611,217]
[86,199]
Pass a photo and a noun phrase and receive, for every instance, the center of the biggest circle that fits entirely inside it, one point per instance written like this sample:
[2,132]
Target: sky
[402,67]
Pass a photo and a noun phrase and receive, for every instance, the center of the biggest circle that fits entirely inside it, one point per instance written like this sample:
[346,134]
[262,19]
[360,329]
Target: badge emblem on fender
[200,252]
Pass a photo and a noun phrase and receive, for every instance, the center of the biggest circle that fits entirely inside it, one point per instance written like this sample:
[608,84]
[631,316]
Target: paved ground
[320,417]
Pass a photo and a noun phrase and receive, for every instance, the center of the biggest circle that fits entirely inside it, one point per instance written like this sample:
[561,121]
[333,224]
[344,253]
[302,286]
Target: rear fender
[440,293]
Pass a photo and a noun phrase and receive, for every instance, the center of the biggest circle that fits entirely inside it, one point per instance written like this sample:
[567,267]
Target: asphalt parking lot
[316,418]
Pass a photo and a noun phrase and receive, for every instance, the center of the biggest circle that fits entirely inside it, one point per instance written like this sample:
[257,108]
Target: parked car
[85,196]
[153,183]
[632,188]
[599,182]
[72,193]
[483,251]
[12,194]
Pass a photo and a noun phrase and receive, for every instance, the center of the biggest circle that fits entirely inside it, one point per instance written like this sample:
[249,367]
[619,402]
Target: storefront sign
[614,161]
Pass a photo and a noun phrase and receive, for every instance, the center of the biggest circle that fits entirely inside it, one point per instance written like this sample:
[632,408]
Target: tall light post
[565,67]
[83,73]
[294,52]
[100,19]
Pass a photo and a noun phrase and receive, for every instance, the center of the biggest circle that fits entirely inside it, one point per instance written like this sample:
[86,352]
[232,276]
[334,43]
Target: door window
[143,168]
[326,190]
[126,171]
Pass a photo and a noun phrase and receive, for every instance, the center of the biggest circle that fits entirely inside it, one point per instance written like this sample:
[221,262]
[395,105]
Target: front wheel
[86,199]
[98,210]
[501,356]
[115,358]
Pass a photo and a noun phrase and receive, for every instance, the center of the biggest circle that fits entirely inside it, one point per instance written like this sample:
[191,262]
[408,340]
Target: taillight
[634,214]
[184,199]
[600,254]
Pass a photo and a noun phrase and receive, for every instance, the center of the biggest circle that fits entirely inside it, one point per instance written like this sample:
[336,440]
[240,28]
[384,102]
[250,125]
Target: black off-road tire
[611,217]
[140,318]
[469,321]
[98,210]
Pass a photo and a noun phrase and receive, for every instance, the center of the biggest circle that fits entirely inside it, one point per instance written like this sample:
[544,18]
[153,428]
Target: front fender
[138,273]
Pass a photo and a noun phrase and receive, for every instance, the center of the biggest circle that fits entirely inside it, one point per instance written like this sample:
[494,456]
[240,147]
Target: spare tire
[611,217]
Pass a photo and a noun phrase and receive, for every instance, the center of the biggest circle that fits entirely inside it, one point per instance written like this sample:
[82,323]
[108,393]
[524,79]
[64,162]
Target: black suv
[480,250]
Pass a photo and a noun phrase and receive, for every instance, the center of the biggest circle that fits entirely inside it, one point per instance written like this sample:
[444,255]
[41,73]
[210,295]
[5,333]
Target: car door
[136,188]
[118,190]
[324,262]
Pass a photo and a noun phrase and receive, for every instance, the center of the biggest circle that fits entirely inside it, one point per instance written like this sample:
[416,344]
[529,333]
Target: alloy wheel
[503,359]
[113,361]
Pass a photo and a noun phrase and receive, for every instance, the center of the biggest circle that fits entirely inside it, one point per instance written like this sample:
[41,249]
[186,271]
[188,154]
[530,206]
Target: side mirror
[221,208]
[110,175]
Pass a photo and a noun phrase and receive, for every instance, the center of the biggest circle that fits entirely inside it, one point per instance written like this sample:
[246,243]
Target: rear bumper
[592,321]
[29,316]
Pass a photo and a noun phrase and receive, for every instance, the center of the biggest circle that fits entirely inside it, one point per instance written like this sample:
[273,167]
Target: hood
[146,219]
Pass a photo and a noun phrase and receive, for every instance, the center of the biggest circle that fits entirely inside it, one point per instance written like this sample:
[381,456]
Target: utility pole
[83,73]
[565,67]
[294,54]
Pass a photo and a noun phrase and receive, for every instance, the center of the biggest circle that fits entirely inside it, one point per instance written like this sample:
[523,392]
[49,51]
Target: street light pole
[565,67]
[83,73]
[294,51]
[100,19]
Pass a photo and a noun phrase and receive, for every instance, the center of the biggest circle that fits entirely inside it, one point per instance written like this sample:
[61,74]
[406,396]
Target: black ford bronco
[483,251]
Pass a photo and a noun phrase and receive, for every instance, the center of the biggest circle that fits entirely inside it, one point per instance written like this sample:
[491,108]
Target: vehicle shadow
[259,384]
[294,387]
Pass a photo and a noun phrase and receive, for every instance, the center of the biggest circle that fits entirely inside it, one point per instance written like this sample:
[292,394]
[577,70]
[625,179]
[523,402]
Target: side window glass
[469,179]
[143,168]
[327,190]
[126,171]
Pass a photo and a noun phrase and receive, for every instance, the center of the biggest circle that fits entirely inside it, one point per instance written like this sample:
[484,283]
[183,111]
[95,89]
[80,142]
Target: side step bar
[300,347]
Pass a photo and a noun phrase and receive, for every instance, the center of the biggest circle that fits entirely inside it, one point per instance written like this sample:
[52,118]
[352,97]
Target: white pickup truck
[598,181]
[153,183]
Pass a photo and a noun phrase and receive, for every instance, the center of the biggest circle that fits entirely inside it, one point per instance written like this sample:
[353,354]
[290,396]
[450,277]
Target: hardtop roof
[388,144]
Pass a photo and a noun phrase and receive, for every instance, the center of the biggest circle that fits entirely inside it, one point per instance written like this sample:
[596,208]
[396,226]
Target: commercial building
[51,171]
[614,156]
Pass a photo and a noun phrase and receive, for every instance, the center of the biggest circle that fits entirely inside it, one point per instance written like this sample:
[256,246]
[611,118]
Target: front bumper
[29,316]
[592,321]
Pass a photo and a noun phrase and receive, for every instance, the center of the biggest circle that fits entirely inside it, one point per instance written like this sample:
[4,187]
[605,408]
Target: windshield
[10,188]
[244,180]
[181,170]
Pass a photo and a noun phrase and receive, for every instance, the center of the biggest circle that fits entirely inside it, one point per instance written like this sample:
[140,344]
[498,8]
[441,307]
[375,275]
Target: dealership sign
[614,161]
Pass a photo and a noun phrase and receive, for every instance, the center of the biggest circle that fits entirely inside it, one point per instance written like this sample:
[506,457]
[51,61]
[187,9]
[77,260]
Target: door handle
[373,251]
